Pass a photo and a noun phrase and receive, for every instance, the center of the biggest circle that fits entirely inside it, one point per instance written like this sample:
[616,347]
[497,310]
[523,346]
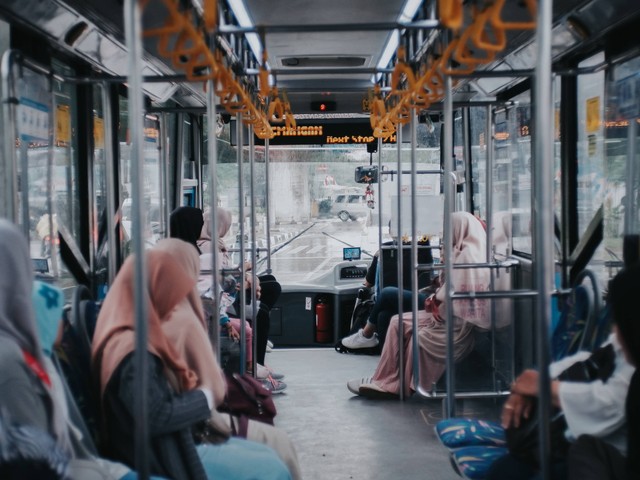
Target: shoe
[373,390]
[354,385]
[264,372]
[358,340]
[273,385]
[269,348]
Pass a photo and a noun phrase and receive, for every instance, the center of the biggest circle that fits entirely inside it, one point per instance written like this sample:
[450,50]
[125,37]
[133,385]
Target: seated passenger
[47,303]
[32,394]
[594,408]
[270,289]
[180,397]
[26,397]
[385,307]
[591,457]
[186,224]
[469,246]
[257,431]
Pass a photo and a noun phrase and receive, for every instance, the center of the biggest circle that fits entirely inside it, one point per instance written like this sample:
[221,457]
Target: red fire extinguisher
[323,322]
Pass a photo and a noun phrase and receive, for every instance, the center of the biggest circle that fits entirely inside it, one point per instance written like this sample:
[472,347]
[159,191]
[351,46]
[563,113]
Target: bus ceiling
[326,53]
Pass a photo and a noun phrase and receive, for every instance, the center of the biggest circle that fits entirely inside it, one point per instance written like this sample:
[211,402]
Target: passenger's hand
[516,408]
[233,333]
[526,383]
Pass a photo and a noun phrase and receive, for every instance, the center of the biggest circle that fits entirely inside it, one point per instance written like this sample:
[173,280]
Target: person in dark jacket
[179,398]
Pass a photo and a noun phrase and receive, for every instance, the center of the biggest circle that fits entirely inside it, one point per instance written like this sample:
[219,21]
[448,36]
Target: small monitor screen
[40,265]
[351,253]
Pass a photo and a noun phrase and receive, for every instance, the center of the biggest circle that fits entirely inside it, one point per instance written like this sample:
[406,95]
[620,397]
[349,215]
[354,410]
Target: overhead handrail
[451,14]
[408,91]
[184,44]
[497,22]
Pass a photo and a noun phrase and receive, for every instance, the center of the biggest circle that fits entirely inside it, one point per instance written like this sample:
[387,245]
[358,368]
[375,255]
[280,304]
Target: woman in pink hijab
[469,246]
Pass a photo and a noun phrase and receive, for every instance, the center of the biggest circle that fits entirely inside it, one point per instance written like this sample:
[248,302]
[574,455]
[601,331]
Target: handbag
[523,442]
[247,397]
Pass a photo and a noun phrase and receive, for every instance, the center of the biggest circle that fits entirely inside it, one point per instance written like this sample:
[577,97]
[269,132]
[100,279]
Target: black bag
[361,312]
[523,441]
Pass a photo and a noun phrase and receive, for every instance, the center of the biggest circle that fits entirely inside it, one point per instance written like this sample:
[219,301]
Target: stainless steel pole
[400,268]
[243,308]
[212,154]
[254,298]
[414,250]
[9,165]
[110,166]
[543,211]
[132,17]
[449,192]
[267,203]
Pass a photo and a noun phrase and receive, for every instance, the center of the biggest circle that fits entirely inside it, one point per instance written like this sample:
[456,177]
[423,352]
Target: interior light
[387,54]
[406,15]
[244,20]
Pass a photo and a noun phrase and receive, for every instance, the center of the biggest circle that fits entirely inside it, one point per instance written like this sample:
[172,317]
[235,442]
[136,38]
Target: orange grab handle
[450,13]
[497,22]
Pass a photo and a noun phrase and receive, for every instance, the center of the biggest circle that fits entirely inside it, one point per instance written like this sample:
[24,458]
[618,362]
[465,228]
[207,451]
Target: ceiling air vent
[323,61]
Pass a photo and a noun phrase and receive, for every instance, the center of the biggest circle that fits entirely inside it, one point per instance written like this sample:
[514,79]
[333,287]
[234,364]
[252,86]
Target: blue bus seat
[579,318]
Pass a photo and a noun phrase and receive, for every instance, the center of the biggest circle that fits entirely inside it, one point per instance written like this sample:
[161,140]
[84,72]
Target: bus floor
[339,435]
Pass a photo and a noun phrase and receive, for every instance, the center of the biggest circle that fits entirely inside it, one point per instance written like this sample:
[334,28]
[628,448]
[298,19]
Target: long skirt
[432,340]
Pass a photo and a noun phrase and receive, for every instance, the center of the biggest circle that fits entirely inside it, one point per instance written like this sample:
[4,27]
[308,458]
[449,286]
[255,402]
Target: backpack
[362,309]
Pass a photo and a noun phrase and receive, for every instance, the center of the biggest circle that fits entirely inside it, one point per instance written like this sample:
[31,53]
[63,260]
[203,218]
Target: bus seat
[74,358]
[579,318]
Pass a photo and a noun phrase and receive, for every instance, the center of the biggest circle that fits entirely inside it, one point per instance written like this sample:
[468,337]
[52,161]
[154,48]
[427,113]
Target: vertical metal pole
[400,265]
[243,307]
[466,149]
[9,166]
[489,175]
[380,254]
[414,249]
[212,154]
[631,190]
[53,251]
[164,176]
[543,211]
[449,192]
[267,203]
[490,236]
[197,135]
[132,18]
[23,187]
[254,299]
[110,165]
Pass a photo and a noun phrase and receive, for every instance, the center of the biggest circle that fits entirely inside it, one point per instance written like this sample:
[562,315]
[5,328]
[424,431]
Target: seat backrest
[74,358]
[578,318]
[389,257]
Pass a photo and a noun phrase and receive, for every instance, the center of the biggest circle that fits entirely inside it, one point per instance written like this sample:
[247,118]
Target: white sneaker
[358,340]
[354,385]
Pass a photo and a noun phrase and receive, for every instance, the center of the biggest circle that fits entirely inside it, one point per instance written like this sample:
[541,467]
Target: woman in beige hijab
[185,381]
